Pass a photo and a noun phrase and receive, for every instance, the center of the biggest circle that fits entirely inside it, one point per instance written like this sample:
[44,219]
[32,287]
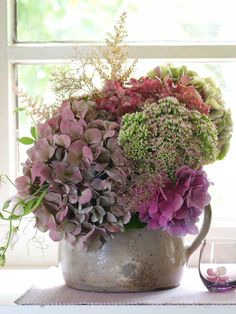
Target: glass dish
[217,264]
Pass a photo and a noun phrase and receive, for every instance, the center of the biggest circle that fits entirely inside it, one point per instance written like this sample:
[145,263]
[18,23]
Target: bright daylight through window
[35,36]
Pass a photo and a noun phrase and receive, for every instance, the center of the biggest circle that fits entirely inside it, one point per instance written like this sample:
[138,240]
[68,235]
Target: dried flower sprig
[70,82]
[111,61]
[108,63]
[34,107]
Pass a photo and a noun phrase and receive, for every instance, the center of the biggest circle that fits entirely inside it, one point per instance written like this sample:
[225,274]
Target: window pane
[35,80]
[150,20]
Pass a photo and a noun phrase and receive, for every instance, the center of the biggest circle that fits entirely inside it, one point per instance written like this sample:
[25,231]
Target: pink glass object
[217,264]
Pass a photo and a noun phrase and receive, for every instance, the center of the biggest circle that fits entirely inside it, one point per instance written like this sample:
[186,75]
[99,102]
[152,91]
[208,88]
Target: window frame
[12,53]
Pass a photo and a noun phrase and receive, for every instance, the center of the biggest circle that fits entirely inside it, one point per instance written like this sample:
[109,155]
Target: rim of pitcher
[219,240]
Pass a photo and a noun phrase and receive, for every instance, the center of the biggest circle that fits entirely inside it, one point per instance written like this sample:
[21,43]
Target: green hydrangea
[170,135]
[211,95]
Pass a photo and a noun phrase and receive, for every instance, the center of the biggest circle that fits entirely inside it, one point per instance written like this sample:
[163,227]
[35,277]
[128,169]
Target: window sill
[14,282]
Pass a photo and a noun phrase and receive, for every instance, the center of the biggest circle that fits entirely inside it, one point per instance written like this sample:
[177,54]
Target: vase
[133,261]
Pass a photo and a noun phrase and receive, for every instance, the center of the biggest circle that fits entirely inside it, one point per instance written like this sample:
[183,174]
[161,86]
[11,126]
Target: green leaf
[33,132]
[39,201]
[19,109]
[135,223]
[26,140]
[6,204]
[29,207]
[2,260]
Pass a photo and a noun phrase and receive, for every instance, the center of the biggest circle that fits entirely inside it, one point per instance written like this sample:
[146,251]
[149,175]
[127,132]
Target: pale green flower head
[170,135]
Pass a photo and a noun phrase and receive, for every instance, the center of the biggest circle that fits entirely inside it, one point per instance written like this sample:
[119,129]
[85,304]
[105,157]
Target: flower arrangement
[127,155]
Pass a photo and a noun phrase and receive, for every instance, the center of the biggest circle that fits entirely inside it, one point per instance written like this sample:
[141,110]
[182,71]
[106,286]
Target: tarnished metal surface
[137,260]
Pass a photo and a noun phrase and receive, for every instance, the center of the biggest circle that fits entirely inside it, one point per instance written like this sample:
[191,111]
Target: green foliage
[26,140]
[135,223]
[33,132]
[8,213]
[5,206]
[56,20]
[2,257]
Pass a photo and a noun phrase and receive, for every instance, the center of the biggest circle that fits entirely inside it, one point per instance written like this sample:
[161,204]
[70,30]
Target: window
[36,35]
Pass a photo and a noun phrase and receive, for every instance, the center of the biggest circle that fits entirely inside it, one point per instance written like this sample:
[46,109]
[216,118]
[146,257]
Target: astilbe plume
[73,156]
[175,207]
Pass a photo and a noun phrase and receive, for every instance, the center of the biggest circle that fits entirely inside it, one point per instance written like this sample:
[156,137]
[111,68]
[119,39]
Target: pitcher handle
[203,232]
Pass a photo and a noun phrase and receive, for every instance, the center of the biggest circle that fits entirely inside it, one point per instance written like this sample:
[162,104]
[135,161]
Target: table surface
[14,282]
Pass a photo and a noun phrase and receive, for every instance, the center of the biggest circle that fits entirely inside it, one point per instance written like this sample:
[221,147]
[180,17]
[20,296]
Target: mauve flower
[31,153]
[39,170]
[73,129]
[172,202]
[65,172]
[43,150]
[85,196]
[53,202]
[56,235]
[69,230]
[67,114]
[72,230]
[61,214]
[44,220]
[72,160]
[194,186]
[79,154]
[70,126]
[61,140]
[23,186]
[54,123]
[119,99]
[44,131]
[93,135]
[177,207]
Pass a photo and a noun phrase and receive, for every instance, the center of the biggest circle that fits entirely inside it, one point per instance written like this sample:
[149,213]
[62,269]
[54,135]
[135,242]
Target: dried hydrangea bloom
[170,135]
[74,156]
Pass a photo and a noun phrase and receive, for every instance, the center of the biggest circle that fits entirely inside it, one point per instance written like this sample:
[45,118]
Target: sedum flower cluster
[169,135]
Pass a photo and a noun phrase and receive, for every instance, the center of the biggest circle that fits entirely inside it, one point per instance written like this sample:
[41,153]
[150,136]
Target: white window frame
[13,53]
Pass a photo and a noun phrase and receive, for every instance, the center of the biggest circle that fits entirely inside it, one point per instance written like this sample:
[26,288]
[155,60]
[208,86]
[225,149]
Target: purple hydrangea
[177,207]
[74,157]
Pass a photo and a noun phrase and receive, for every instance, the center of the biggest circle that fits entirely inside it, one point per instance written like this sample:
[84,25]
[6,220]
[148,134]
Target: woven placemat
[51,290]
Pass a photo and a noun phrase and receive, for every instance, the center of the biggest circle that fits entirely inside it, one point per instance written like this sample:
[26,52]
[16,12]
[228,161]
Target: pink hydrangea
[119,99]
[177,207]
